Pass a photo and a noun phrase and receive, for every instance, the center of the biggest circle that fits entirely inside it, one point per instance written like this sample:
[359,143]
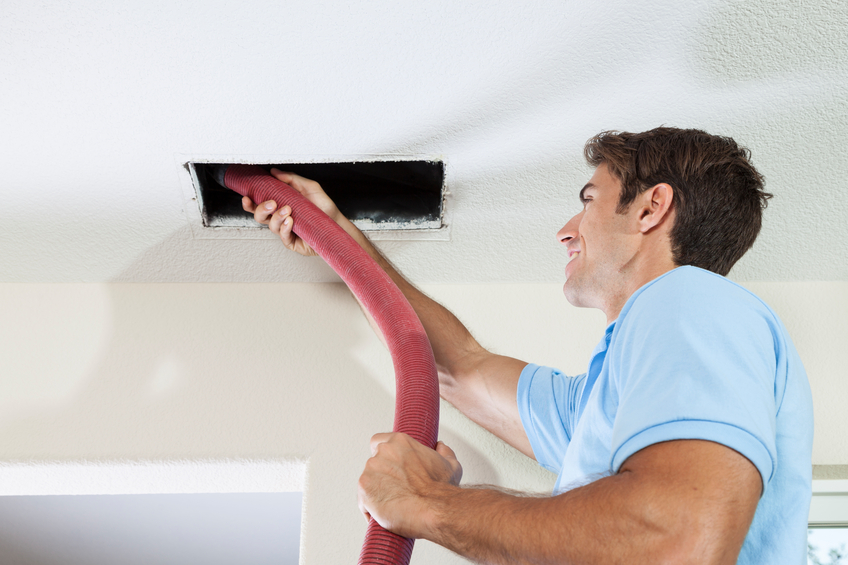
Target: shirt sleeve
[688,364]
[548,403]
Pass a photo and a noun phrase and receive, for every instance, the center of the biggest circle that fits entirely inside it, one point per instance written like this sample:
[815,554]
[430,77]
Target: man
[688,440]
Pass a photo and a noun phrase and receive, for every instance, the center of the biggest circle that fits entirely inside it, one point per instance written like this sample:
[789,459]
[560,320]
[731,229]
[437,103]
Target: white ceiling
[101,101]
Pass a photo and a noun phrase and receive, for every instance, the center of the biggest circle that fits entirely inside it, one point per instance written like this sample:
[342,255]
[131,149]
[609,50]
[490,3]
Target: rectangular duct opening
[374,195]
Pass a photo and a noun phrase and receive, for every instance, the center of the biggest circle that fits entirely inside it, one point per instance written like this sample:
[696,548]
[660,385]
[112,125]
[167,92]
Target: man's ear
[655,206]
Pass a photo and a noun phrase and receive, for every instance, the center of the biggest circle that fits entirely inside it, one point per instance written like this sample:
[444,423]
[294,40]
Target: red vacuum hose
[416,381]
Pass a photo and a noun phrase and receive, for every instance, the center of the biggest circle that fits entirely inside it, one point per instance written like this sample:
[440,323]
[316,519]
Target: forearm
[450,339]
[598,523]
[685,501]
[681,502]
[480,384]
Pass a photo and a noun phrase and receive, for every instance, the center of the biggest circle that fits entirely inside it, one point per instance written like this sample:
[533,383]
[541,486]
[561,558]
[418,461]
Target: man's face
[600,244]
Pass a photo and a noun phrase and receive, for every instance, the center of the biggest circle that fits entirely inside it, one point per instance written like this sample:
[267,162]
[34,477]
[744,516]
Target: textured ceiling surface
[101,102]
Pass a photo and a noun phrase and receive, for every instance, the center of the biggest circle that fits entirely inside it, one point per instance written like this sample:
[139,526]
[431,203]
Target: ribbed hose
[417,386]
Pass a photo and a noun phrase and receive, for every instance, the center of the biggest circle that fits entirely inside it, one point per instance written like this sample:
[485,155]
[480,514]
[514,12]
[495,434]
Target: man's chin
[575,293]
[570,290]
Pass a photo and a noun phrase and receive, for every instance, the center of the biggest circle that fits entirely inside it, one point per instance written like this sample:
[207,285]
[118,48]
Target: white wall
[110,373]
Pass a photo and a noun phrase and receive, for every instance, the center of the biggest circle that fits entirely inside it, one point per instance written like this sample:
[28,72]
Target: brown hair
[718,195]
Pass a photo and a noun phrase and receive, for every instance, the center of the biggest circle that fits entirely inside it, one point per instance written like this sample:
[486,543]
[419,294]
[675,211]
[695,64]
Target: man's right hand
[279,220]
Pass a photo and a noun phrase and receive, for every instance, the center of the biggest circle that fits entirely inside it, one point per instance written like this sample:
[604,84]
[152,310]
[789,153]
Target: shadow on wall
[211,370]
[198,371]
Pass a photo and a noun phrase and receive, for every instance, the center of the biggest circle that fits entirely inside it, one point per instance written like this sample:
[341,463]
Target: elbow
[695,500]
[692,544]
[678,550]
[448,383]
[678,534]
[458,368]
[460,378]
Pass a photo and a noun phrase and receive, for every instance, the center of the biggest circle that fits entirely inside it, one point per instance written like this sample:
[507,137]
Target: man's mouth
[571,255]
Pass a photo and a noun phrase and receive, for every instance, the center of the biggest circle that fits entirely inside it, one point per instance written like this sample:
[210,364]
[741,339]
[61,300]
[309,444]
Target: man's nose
[569,230]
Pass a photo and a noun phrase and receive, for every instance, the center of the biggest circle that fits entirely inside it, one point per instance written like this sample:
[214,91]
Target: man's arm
[479,383]
[685,501]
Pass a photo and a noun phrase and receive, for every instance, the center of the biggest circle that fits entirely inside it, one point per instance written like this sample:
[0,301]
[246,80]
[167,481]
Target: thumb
[445,451]
[450,457]
[288,178]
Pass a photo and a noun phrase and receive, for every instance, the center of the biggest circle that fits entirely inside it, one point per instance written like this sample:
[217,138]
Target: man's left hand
[402,482]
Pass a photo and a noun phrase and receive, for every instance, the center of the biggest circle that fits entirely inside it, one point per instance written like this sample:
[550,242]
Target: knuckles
[385,444]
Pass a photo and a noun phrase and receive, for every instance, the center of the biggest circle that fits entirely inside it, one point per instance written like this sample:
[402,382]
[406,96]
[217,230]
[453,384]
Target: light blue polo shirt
[691,356]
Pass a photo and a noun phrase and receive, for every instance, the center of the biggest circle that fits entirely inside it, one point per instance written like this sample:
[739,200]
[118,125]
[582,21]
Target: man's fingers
[281,224]
[263,212]
[362,508]
[286,234]
[278,218]
[275,222]
[248,204]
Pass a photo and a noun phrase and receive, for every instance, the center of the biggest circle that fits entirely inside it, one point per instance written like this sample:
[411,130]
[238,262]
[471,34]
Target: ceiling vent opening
[375,195]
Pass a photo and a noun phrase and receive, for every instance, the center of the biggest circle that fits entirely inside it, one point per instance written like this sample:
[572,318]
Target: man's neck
[633,284]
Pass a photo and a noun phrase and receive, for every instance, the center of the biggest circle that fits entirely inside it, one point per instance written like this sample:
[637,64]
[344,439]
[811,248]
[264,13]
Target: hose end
[217,172]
